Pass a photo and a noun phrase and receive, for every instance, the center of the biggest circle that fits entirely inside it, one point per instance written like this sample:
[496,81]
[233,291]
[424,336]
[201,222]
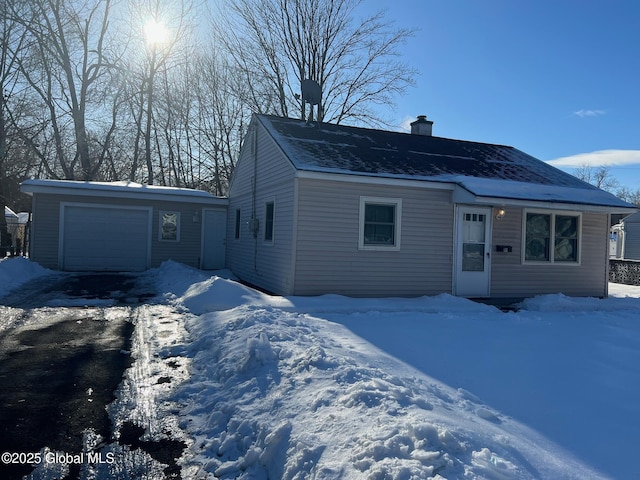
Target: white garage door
[105,238]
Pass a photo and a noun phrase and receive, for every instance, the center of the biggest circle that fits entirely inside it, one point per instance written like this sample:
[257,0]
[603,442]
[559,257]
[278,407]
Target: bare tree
[65,66]
[218,123]
[159,30]
[629,195]
[599,176]
[7,71]
[278,43]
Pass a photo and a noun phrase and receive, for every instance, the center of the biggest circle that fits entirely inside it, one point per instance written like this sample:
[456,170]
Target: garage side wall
[46,227]
[44,230]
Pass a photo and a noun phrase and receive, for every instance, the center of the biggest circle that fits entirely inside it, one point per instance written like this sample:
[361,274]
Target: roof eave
[461,195]
[31,187]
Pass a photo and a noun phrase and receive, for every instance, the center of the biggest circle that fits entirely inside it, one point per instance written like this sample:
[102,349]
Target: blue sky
[556,79]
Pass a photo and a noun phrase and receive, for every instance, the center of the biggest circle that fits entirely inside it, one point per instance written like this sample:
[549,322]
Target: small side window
[237,225]
[269,218]
[380,223]
[169,227]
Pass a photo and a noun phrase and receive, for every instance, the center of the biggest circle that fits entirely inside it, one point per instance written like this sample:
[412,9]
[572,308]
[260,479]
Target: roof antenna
[311,94]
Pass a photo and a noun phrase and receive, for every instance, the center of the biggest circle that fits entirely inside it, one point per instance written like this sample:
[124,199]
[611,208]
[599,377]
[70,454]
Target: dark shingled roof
[323,147]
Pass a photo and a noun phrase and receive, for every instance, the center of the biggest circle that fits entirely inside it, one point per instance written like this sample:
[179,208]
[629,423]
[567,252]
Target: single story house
[124,226]
[319,208]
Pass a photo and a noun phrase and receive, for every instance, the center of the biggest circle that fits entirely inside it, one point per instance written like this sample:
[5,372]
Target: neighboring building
[319,208]
[625,238]
[94,226]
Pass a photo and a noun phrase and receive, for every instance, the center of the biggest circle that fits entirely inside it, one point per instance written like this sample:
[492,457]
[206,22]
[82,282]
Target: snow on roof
[128,189]
[8,213]
[514,190]
[482,169]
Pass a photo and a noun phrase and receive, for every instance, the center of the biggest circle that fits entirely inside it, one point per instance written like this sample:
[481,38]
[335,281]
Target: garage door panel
[105,238]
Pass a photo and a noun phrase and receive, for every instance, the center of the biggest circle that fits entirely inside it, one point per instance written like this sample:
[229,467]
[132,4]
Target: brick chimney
[421,126]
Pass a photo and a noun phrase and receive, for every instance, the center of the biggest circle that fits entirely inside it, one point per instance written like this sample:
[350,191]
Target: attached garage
[123,226]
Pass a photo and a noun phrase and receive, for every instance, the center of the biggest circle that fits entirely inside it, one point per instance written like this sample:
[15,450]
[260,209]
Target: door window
[473,242]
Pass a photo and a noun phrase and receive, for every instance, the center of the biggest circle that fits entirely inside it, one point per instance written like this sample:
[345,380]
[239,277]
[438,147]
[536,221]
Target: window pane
[566,250]
[538,224]
[379,213]
[473,257]
[566,226]
[474,228]
[378,234]
[268,222]
[169,226]
[566,241]
[379,224]
[538,236]
[537,249]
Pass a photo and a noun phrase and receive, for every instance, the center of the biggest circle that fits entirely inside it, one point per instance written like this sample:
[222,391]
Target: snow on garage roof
[119,189]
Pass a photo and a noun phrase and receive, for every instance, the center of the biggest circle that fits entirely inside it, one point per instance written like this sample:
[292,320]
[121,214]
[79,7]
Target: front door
[473,251]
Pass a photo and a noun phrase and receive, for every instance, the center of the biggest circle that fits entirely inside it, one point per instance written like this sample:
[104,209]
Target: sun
[155,33]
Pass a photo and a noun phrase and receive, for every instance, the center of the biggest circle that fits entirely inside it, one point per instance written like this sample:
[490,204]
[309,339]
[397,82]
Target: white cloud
[589,113]
[599,158]
[405,125]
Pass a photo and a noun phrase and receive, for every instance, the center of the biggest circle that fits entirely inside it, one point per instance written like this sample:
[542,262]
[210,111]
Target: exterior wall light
[500,213]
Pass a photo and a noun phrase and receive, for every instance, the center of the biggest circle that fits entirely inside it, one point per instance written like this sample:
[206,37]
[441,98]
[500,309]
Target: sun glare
[155,33]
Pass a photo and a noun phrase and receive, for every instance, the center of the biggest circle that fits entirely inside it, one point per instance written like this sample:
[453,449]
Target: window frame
[271,240]
[384,201]
[161,223]
[552,237]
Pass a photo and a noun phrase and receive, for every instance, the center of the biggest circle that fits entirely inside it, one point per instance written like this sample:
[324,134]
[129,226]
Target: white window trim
[553,214]
[397,202]
[178,226]
[273,232]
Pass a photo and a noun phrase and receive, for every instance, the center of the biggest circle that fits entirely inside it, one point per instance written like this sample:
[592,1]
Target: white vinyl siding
[255,260]
[328,257]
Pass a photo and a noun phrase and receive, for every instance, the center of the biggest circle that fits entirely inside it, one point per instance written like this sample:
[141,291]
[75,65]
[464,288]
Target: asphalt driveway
[61,360]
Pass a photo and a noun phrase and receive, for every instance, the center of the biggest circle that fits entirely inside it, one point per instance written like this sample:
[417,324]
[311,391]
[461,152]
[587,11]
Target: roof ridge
[380,130]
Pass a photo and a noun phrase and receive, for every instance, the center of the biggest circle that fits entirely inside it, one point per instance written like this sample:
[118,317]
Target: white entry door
[473,251]
[214,239]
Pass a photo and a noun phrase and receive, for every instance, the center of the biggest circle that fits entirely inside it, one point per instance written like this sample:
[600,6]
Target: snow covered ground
[435,387]
[16,271]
